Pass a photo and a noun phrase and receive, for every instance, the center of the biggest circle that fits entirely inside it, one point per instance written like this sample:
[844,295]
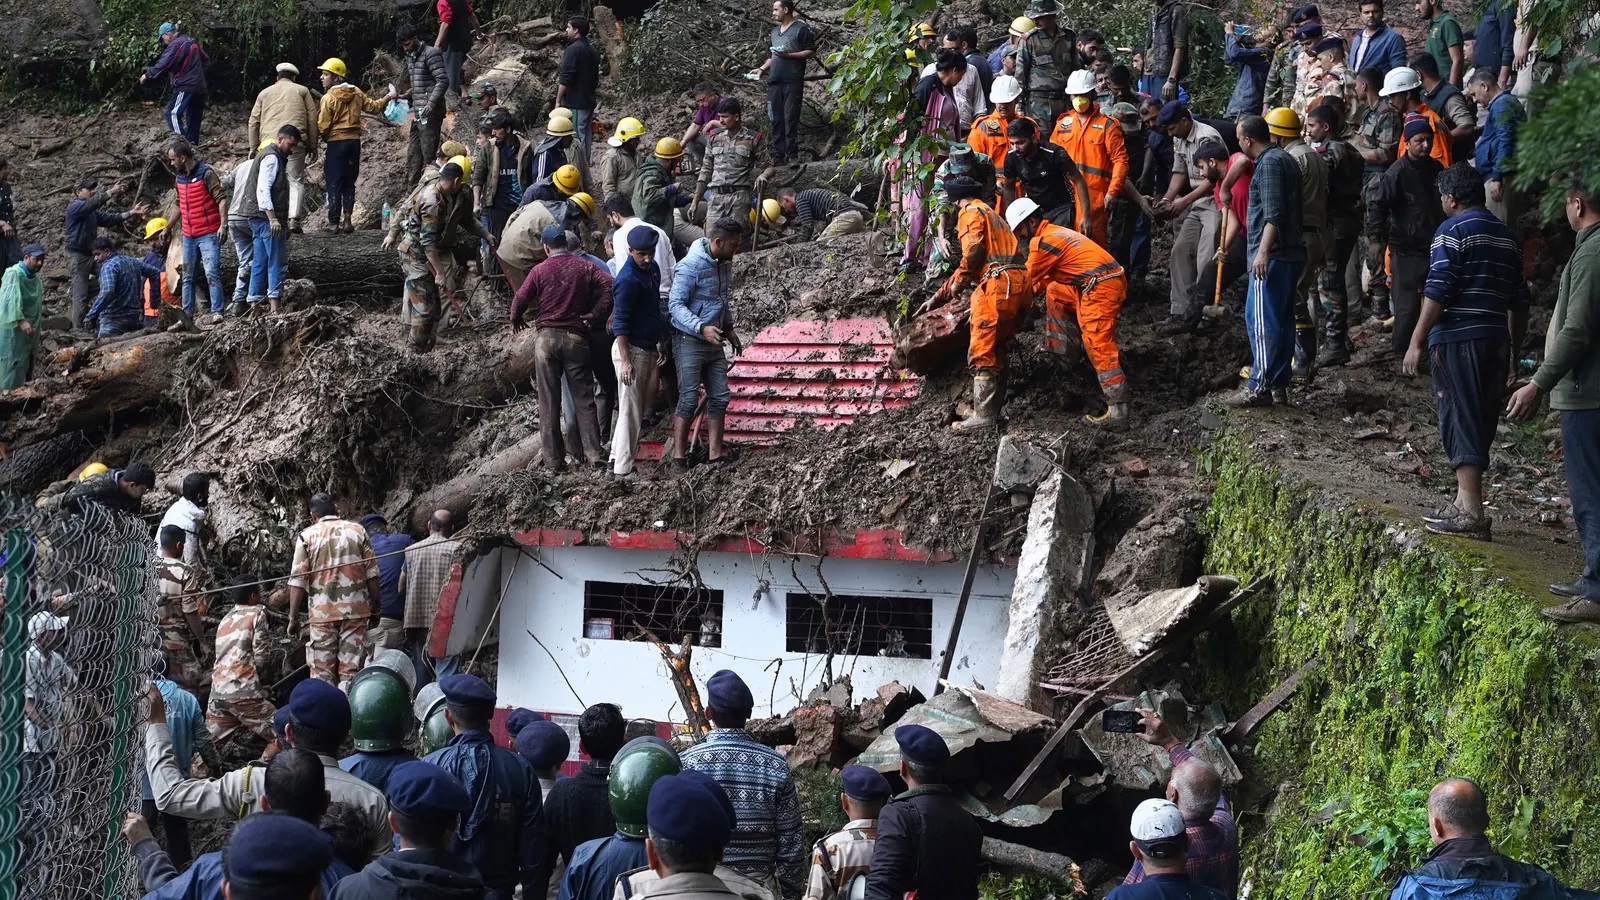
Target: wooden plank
[1250,721]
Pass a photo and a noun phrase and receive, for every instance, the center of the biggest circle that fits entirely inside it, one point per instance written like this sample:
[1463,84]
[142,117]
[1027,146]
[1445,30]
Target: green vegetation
[996,886]
[1430,666]
[872,82]
[131,25]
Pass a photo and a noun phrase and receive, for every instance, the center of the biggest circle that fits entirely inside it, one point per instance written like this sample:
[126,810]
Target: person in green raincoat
[20,293]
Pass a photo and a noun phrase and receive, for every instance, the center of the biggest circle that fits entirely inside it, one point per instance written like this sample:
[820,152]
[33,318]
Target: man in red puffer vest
[200,211]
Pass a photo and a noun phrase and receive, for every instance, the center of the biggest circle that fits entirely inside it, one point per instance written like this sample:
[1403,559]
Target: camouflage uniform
[840,857]
[333,561]
[237,698]
[176,602]
[729,170]
[433,221]
[1282,81]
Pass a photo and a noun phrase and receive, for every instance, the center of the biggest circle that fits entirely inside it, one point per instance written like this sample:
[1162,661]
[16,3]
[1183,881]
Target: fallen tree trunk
[458,493]
[1054,866]
[340,264]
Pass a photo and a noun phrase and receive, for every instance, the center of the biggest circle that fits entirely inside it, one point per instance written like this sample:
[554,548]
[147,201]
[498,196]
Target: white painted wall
[632,674]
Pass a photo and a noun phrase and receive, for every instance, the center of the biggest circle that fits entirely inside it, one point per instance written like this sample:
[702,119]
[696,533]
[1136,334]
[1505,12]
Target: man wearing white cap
[288,102]
[48,677]
[1160,845]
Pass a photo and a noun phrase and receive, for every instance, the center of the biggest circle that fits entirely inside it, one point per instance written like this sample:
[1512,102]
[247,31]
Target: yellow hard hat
[91,470]
[911,56]
[771,213]
[629,128]
[560,112]
[334,65]
[558,127]
[265,144]
[669,148]
[922,30]
[584,202]
[1021,25]
[464,163]
[154,227]
[1283,122]
[567,179]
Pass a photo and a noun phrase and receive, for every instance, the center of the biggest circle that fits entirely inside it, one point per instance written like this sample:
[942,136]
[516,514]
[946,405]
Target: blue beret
[1172,113]
[684,809]
[272,848]
[279,720]
[544,744]
[422,789]
[1331,42]
[642,237]
[1310,31]
[864,783]
[521,718]
[320,705]
[553,236]
[467,690]
[920,744]
[712,785]
[727,691]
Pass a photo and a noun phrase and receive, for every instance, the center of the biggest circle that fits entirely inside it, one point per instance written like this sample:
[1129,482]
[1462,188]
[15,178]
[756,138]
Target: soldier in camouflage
[334,567]
[237,698]
[842,857]
[178,614]
[435,220]
[1048,55]
[729,168]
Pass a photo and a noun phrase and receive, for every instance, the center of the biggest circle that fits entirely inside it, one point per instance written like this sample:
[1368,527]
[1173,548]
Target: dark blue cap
[553,236]
[320,705]
[1172,113]
[921,744]
[272,848]
[371,519]
[521,718]
[684,809]
[1331,42]
[642,237]
[544,744]
[423,790]
[279,720]
[1310,31]
[725,690]
[1305,13]
[467,690]
[715,787]
[864,783]
[33,250]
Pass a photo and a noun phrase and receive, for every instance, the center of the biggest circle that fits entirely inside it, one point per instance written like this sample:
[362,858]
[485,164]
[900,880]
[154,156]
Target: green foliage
[872,81]
[819,790]
[1557,142]
[1434,662]
[996,886]
[131,43]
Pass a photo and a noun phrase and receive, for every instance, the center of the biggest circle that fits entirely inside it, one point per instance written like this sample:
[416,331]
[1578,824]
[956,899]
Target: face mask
[1082,104]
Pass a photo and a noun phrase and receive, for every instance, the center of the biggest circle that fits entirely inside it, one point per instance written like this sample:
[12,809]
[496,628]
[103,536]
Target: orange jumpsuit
[988,135]
[1441,139]
[1080,278]
[990,258]
[1094,141]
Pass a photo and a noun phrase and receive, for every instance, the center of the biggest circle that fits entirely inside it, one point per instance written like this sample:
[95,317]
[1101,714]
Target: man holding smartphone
[1213,858]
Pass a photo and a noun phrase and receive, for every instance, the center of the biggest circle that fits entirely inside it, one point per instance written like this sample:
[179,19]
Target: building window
[626,612]
[860,625]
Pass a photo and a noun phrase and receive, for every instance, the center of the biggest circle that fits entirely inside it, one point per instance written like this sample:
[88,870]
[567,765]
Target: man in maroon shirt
[567,294]
[1213,858]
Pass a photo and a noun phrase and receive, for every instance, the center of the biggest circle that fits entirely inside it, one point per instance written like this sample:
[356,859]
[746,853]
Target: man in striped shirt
[822,208]
[768,843]
[1474,311]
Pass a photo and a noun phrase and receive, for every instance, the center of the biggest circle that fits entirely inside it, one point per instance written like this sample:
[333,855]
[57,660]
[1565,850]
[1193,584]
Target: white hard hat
[1400,81]
[45,621]
[1020,210]
[1006,88]
[1081,81]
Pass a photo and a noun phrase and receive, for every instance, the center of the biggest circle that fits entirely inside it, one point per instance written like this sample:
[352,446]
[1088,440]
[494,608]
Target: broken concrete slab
[1143,621]
[817,731]
[1055,558]
[1020,466]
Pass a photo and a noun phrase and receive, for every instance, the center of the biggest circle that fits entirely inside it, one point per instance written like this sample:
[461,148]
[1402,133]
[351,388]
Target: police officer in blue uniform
[425,803]
[927,843]
[596,865]
[689,827]
[500,834]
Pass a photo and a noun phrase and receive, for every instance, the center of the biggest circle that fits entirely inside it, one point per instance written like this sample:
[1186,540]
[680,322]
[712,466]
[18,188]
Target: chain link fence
[77,637]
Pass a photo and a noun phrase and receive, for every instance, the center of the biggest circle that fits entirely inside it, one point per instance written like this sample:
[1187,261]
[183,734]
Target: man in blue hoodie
[185,63]
[636,322]
[702,320]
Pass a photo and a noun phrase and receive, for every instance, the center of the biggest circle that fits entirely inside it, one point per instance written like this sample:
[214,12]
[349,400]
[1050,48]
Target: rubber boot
[1115,418]
[985,404]
[1304,367]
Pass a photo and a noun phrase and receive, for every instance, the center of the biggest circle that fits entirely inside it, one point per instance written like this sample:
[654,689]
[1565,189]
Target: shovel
[1216,310]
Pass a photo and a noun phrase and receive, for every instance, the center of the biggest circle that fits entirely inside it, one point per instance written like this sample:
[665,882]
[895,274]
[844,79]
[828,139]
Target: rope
[277,578]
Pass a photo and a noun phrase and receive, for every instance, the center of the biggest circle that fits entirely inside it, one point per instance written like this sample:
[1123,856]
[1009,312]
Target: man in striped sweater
[1474,312]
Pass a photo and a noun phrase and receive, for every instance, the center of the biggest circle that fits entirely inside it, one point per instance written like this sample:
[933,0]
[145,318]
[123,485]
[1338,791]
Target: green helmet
[633,771]
[433,730]
[380,714]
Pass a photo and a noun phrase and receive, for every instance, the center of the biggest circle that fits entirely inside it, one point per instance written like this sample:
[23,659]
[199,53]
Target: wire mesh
[77,634]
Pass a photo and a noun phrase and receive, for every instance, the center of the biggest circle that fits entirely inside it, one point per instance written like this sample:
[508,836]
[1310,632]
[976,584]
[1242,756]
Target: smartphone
[1121,721]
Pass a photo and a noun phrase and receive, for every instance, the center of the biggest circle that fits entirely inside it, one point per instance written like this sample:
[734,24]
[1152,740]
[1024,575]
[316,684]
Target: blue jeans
[1152,85]
[202,254]
[698,361]
[269,261]
[244,250]
[1269,323]
[1580,451]
[111,326]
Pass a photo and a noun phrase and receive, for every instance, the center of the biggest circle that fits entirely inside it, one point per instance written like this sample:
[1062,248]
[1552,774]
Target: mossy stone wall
[1432,664]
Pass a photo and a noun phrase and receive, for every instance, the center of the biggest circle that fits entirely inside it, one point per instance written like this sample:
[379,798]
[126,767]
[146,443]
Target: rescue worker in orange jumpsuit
[988,134]
[1079,278]
[991,264]
[1094,141]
